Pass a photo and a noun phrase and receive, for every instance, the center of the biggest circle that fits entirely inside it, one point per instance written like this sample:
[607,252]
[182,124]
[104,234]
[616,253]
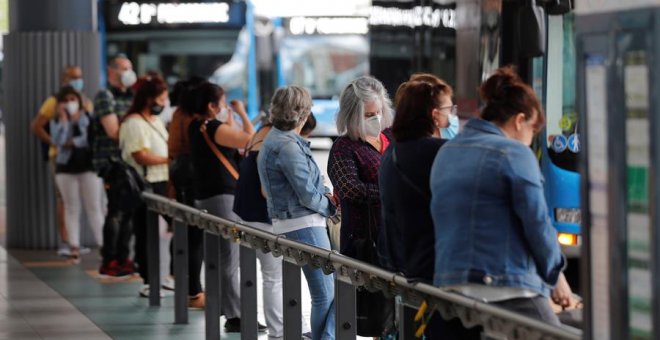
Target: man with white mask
[110,106]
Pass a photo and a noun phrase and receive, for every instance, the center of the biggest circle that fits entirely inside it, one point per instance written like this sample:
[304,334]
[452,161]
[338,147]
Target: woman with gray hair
[363,120]
[297,201]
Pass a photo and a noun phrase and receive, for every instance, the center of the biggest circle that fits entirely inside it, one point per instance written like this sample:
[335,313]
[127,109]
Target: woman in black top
[423,106]
[214,143]
[74,174]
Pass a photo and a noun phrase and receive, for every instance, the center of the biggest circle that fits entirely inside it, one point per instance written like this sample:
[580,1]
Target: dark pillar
[44,37]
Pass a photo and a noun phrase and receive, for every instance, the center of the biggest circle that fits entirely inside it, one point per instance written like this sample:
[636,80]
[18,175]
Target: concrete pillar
[44,37]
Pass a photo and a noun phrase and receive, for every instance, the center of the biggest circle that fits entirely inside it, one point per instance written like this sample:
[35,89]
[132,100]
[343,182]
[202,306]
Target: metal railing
[349,274]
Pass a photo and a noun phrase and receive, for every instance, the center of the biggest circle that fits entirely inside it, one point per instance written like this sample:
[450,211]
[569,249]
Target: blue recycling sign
[559,143]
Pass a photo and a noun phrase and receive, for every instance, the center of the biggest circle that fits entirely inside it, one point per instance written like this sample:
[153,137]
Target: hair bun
[497,88]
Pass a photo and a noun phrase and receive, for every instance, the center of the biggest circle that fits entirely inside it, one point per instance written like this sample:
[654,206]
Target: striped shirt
[107,102]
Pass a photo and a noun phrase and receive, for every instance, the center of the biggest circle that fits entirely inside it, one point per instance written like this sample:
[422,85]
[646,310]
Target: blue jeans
[321,286]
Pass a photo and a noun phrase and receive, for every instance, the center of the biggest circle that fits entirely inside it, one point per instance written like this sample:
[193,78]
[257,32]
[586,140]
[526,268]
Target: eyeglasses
[453,109]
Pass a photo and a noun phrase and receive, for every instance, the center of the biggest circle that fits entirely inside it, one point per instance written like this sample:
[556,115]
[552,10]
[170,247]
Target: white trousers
[78,191]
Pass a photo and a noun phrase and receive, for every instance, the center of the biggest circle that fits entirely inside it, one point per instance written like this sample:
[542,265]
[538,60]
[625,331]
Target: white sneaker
[144,292]
[168,283]
[63,250]
[84,250]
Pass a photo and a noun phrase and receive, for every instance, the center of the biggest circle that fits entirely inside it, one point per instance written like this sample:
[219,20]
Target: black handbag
[375,312]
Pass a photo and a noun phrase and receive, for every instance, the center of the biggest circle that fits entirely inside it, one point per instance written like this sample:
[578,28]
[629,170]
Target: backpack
[124,185]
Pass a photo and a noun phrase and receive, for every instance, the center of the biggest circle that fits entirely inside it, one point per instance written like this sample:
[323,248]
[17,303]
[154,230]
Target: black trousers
[195,245]
[117,230]
[140,231]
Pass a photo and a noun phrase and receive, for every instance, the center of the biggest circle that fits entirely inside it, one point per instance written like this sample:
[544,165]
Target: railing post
[212,283]
[249,329]
[346,324]
[153,257]
[292,302]
[180,272]
[403,322]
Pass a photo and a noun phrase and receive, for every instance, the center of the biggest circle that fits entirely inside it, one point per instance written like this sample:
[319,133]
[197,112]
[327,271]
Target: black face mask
[157,109]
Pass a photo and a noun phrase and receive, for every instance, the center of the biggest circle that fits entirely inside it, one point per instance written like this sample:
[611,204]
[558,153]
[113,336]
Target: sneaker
[128,266]
[233,325]
[113,269]
[144,292]
[84,250]
[307,335]
[63,250]
[197,302]
[168,283]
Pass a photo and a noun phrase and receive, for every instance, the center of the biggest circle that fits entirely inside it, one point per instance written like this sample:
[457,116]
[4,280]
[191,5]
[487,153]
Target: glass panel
[638,219]
[562,140]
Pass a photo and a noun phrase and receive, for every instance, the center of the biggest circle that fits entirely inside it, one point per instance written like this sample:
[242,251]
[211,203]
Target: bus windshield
[562,140]
[324,64]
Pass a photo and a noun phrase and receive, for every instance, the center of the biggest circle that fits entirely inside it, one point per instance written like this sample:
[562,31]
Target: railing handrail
[471,312]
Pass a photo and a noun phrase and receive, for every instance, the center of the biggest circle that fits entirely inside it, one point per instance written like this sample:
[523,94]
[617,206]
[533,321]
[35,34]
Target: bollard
[212,283]
[292,301]
[346,324]
[153,258]
[248,268]
[180,272]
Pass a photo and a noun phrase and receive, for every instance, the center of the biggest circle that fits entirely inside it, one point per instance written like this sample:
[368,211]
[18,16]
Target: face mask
[372,126]
[77,84]
[452,130]
[223,115]
[128,78]
[157,109]
[71,107]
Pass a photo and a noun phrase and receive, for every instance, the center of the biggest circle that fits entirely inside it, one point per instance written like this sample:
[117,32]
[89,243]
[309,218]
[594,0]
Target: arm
[38,129]
[294,165]
[110,124]
[46,113]
[530,206]
[229,137]
[240,109]
[146,158]
[343,172]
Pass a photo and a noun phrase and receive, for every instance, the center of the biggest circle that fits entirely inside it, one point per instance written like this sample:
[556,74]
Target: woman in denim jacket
[296,198]
[493,238]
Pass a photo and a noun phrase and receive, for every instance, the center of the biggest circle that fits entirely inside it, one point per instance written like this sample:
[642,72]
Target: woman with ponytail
[493,238]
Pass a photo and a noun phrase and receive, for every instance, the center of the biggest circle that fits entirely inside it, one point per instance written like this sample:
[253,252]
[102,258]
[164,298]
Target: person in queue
[297,201]
[493,238]
[71,76]
[110,105]
[143,142]
[214,148]
[74,174]
[423,107]
[181,176]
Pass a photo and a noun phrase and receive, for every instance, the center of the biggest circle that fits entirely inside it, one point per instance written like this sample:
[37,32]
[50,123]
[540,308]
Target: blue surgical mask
[452,130]
[77,84]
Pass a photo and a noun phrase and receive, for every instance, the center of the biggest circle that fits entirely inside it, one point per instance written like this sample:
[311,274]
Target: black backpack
[124,185]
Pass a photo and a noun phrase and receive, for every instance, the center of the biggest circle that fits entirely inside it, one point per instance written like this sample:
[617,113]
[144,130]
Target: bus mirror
[531,28]
[559,7]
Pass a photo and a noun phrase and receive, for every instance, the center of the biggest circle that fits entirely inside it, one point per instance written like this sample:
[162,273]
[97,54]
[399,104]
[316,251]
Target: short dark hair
[146,88]
[68,90]
[506,95]
[416,100]
[112,62]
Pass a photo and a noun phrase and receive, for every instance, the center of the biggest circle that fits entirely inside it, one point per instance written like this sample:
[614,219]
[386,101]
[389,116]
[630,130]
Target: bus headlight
[568,215]
[567,239]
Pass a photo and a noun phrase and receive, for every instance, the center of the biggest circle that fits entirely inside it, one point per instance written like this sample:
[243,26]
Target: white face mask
[128,78]
[223,115]
[372,126]
[72,107]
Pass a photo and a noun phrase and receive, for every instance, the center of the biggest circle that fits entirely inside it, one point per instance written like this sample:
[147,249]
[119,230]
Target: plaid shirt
[107,102]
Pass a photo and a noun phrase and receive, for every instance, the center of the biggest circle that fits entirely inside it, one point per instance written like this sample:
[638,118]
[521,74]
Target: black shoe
[233,325]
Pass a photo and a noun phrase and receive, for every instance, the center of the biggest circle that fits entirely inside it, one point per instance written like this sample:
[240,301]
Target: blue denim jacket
[490,215]
[291,178]
[62,132]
